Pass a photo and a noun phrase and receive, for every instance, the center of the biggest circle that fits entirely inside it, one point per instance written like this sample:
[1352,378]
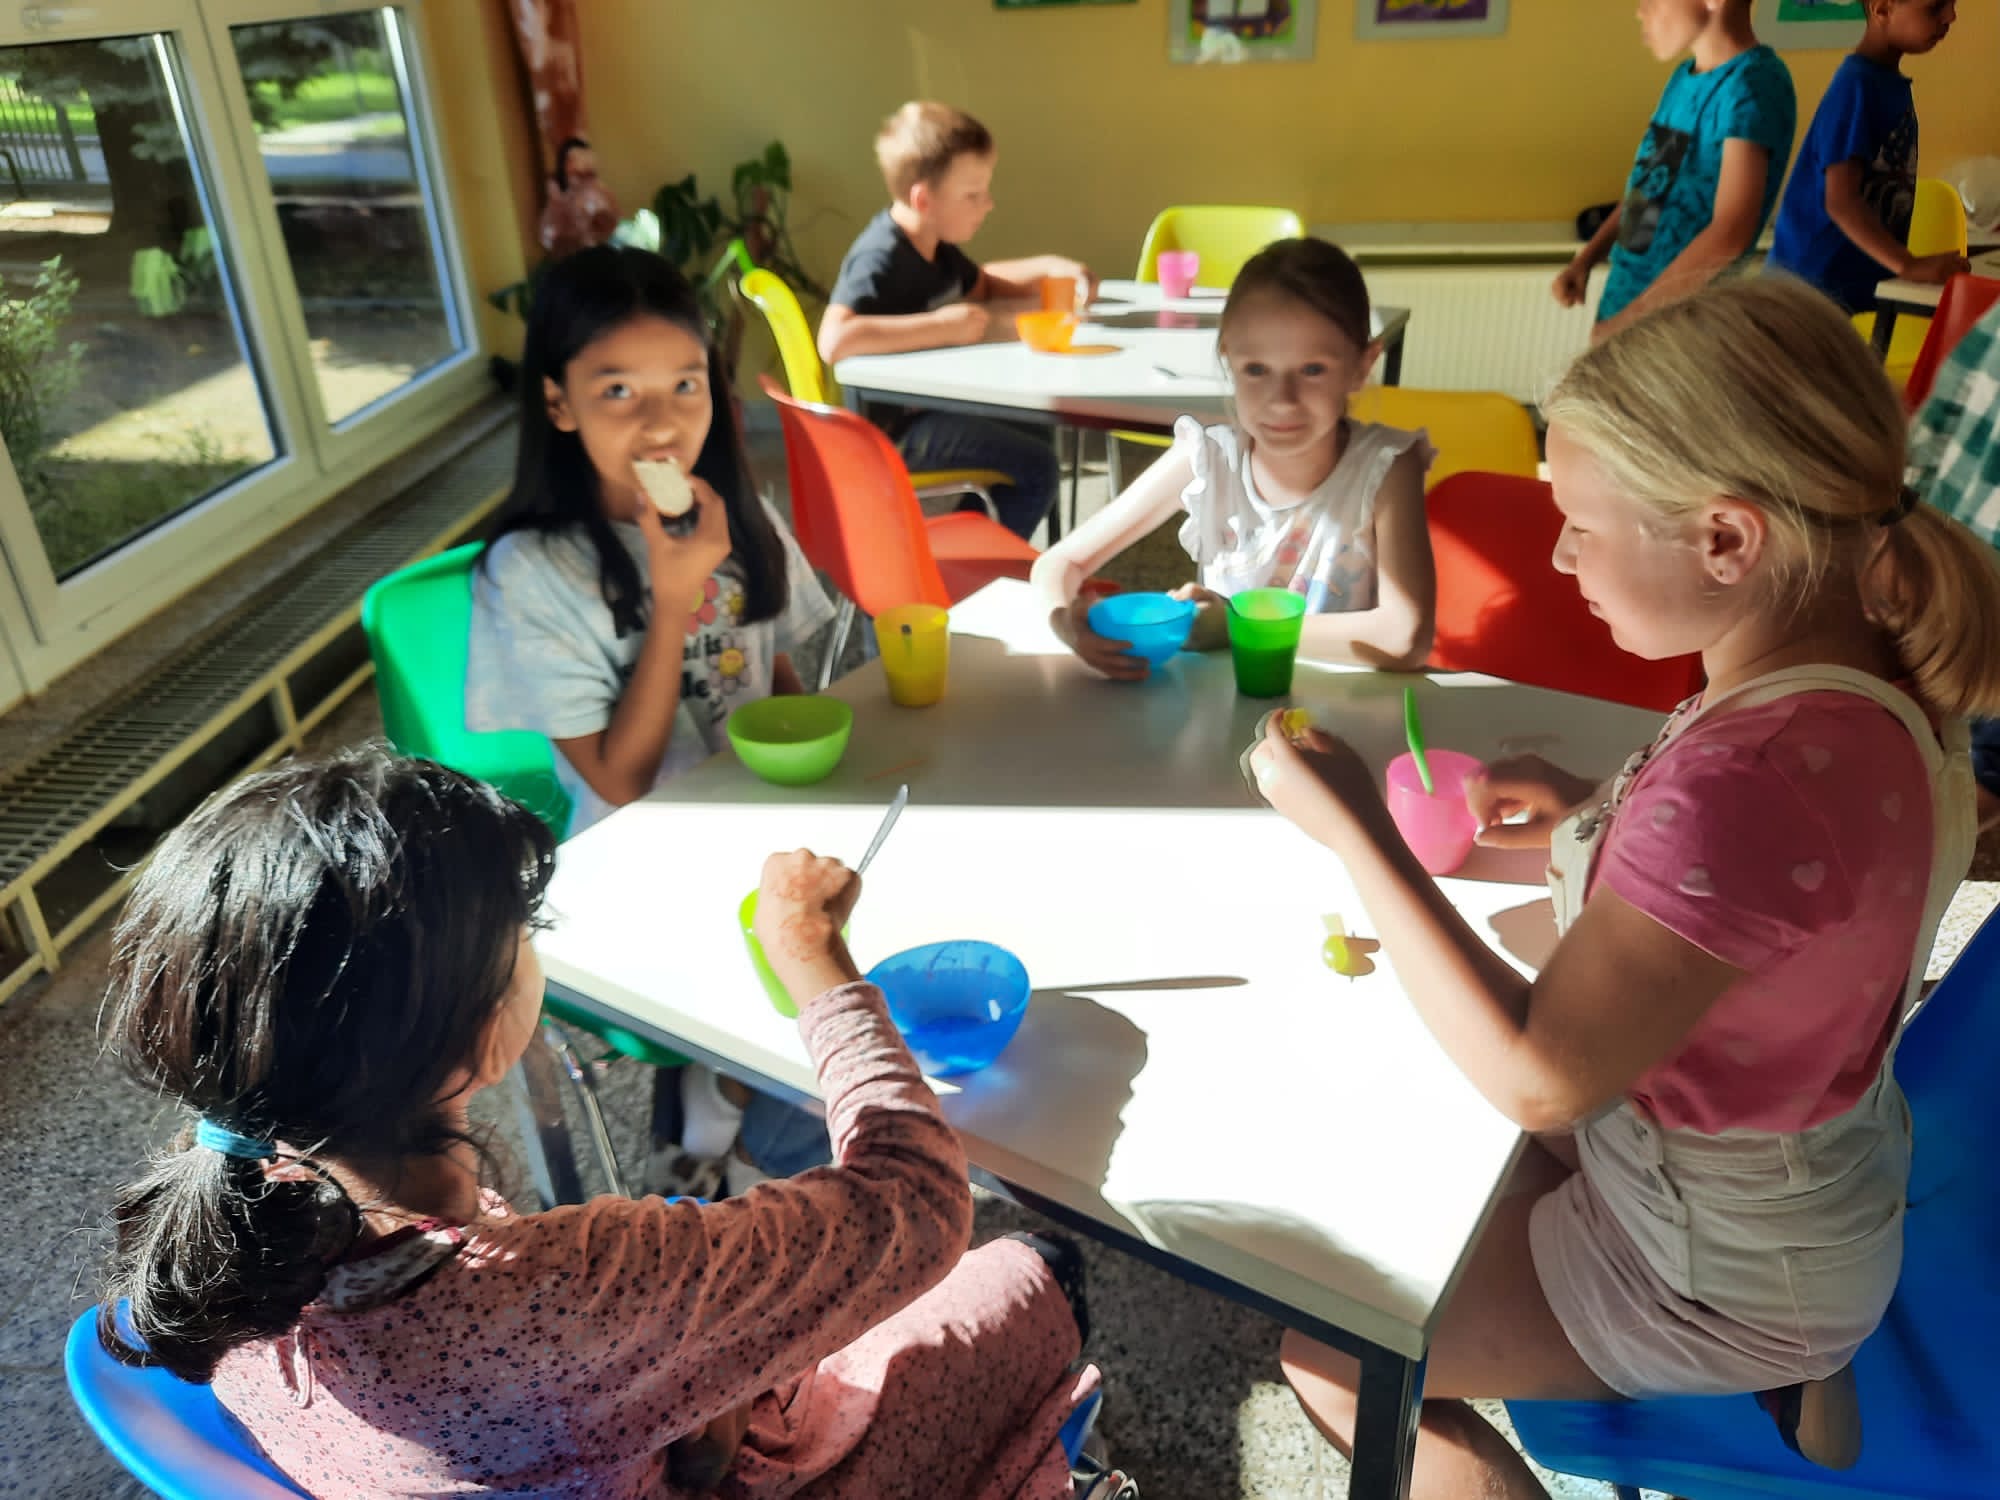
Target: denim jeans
[783,1139]
[1986,753]
[944,440]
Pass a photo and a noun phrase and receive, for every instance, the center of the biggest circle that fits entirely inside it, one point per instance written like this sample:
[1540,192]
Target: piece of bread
[666,486]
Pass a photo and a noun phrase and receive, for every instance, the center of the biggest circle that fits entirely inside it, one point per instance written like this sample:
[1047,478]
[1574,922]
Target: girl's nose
[1564,557]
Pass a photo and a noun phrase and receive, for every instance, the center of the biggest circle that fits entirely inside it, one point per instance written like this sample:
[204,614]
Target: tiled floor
[1195,1407]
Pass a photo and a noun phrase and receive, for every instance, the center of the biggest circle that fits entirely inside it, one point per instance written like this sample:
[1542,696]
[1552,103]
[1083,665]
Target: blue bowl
[1154,625]
[958,1004]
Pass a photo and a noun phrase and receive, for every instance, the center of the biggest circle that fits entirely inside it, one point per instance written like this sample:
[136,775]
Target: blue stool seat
[171,1436]
[1927,1432]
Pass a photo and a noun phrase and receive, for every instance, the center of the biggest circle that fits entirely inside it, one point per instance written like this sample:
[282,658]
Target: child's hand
[1107,658]
[963,323]
[1572,284]
[1077,271]
[1526,784]
[678,567]
[1211,621]
[1935,270]
[802,904]
[1314,781]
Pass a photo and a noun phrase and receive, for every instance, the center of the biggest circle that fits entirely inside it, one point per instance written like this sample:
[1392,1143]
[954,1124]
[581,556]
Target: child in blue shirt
[1706,176]
[1846,213]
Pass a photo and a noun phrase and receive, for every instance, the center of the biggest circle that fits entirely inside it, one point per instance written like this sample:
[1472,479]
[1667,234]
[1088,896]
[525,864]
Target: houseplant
[699,236]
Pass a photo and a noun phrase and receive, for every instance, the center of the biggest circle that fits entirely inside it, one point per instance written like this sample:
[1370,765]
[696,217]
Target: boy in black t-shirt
[906,284]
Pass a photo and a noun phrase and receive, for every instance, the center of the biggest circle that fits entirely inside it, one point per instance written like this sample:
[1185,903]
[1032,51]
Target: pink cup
[1437,825]
[1177,271]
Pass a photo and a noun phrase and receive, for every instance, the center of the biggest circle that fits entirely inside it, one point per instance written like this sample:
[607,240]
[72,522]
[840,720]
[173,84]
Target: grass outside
[318,100]
[88,509]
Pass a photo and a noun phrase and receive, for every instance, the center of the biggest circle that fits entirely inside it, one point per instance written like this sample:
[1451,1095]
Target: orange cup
[1046,332]
[1059,294]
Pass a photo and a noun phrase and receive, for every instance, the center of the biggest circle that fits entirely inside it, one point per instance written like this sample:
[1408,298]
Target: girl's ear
[1734,537]
[556,400]
[1365,366]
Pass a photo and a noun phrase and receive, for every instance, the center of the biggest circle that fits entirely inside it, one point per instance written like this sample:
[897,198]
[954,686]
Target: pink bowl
[1438,826]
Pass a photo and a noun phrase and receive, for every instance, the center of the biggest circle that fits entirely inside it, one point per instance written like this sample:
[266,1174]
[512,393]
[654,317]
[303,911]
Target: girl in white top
[1294,494]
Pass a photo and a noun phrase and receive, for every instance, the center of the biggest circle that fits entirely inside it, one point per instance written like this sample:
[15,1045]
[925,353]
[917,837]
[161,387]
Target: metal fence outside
[38,145]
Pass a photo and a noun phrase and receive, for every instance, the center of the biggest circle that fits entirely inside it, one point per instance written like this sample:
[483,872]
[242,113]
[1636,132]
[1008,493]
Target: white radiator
[1484,328]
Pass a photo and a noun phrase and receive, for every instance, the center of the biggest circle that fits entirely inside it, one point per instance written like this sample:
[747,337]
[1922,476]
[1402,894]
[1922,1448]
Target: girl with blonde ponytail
[1745,909]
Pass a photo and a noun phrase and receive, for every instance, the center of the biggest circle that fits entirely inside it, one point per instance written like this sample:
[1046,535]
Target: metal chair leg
[1113,470]
[593,1111]
[538,1101]
[843,624]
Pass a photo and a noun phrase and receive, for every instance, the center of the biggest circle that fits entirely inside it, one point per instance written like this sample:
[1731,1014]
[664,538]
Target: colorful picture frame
[1227,31]
[1799,25]
[1428,20]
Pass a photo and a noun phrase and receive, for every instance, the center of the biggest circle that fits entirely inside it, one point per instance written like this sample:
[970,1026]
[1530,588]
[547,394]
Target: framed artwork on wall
[1233,31]
[1428,20]
[1801,24]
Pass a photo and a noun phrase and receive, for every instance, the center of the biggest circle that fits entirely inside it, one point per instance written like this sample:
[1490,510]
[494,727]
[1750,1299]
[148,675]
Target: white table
[1151,374]
[1191,1082]
[1917,297]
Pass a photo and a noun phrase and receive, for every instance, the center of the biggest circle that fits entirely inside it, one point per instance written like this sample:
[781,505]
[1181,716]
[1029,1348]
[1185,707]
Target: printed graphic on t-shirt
[714,663]
[715,660]
[1889,181]
[1661,158]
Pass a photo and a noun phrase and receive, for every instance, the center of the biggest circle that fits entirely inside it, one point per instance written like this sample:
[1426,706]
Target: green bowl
[792,740]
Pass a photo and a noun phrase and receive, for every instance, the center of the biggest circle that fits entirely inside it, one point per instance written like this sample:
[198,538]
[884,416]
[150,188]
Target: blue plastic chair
[1927,1432]
[172,1436]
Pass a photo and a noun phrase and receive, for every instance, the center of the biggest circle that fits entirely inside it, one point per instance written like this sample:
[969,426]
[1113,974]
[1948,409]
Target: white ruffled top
[1323,547]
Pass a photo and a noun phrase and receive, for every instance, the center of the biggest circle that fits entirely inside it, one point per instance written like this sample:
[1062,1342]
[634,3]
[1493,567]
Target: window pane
[126,394]
[334,128]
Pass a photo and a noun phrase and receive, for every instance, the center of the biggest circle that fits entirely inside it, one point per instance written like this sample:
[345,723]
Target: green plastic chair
[418,621]
[1224,235]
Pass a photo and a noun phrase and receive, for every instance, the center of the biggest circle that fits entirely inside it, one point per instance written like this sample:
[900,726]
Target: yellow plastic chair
[1223,235]
[1937,227]
[807,379]
[1480,430]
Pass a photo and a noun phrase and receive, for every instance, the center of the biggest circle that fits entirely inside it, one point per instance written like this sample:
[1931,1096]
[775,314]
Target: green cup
[1264,626]
[746,916]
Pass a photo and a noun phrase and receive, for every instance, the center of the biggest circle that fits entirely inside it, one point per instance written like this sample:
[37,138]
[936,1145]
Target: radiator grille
[1484,328]
[86,776]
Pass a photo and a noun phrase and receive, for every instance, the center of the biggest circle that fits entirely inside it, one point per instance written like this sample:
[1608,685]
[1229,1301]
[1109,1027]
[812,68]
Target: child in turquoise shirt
[1706,175]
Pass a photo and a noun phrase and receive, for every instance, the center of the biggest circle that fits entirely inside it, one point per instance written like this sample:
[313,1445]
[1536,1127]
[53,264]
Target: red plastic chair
[1966,300]
[1504,610]
[857,519]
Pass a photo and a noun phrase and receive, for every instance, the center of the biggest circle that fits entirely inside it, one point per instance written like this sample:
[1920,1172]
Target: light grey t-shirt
[545,655]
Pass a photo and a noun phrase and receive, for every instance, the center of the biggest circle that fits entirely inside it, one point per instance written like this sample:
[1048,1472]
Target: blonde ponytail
[1760,389]
[1937,591]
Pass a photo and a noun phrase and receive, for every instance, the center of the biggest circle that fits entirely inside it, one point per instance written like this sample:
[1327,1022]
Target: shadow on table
[1076,1060]
[1527,931]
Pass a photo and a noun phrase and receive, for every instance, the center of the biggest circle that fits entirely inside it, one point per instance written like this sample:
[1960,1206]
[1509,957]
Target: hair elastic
[221,1138]
[1905,503]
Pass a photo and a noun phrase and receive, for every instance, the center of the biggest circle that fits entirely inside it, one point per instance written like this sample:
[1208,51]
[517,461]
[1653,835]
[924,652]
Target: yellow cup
[916,652]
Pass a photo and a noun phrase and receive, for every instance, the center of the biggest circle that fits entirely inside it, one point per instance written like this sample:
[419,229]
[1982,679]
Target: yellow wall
[1097,130]
[487,138]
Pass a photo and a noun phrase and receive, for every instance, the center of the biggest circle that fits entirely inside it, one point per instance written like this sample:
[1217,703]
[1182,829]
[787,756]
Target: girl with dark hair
[323,965]
[624,635]
[1292,494]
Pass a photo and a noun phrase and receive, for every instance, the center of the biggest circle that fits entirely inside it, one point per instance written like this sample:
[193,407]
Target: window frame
[66,620]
